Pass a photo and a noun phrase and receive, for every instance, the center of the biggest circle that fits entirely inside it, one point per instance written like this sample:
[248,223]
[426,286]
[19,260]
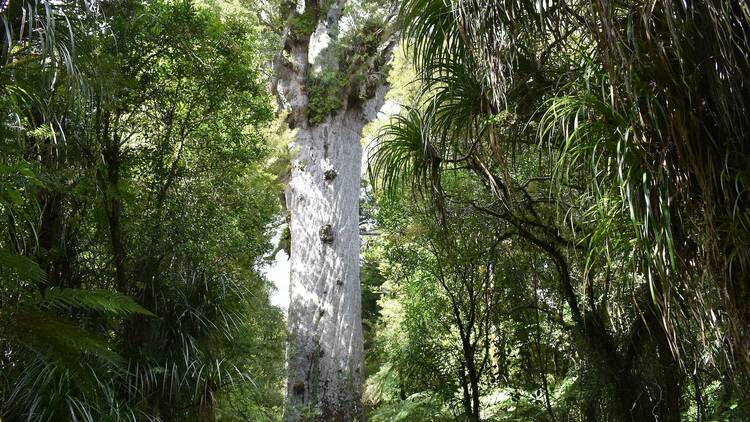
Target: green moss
[327,90]
[304,25]
[325,95]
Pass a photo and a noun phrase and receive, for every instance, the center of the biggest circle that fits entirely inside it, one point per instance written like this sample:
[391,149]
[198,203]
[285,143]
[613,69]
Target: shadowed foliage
[134,205]
[610,136]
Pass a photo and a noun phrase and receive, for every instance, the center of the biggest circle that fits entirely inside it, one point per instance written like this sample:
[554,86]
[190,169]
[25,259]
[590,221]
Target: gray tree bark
[325,358]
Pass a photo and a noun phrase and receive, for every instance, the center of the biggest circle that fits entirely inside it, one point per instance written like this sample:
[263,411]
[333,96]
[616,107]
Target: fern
[23,267]
[99,300]
[56,336]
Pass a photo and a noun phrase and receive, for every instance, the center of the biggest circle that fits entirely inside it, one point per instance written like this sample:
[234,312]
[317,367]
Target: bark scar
[330,174]
[326,233]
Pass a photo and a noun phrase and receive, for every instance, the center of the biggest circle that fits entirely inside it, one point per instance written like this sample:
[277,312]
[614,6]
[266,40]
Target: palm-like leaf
[403,154]
[639,112]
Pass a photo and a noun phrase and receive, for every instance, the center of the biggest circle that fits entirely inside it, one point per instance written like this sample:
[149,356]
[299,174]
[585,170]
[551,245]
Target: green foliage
[99,300]
[325,93]
[303,25]
[135,196]
[404,154]
[577,128]
[347,69]
[20,266]
[417,407]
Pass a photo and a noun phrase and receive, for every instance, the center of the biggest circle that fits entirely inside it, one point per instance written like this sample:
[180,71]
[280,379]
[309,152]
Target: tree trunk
[325,361]
[466,397]
[325,351]
[325,357]
[472,376]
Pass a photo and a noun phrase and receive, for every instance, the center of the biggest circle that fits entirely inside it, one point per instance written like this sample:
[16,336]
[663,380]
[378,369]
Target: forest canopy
[494,210]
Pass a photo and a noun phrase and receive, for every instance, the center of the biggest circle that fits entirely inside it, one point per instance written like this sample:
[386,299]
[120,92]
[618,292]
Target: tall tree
[328,79]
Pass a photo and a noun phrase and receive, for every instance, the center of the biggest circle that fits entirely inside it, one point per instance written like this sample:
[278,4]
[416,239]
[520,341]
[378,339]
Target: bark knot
[330,174]
[326,233]
[299,387]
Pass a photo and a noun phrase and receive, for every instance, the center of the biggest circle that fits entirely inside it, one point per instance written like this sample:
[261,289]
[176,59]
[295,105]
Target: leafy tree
[137,206]
[572,118]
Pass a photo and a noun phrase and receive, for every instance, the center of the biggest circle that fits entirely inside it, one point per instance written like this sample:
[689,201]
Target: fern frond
[100,300]
[21,266]
[56,336]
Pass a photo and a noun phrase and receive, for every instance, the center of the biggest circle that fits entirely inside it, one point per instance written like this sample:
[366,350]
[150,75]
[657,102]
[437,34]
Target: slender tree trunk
[475,405]
[51,240]
[110,180]
[473,378]
[466,398]
[114,216]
